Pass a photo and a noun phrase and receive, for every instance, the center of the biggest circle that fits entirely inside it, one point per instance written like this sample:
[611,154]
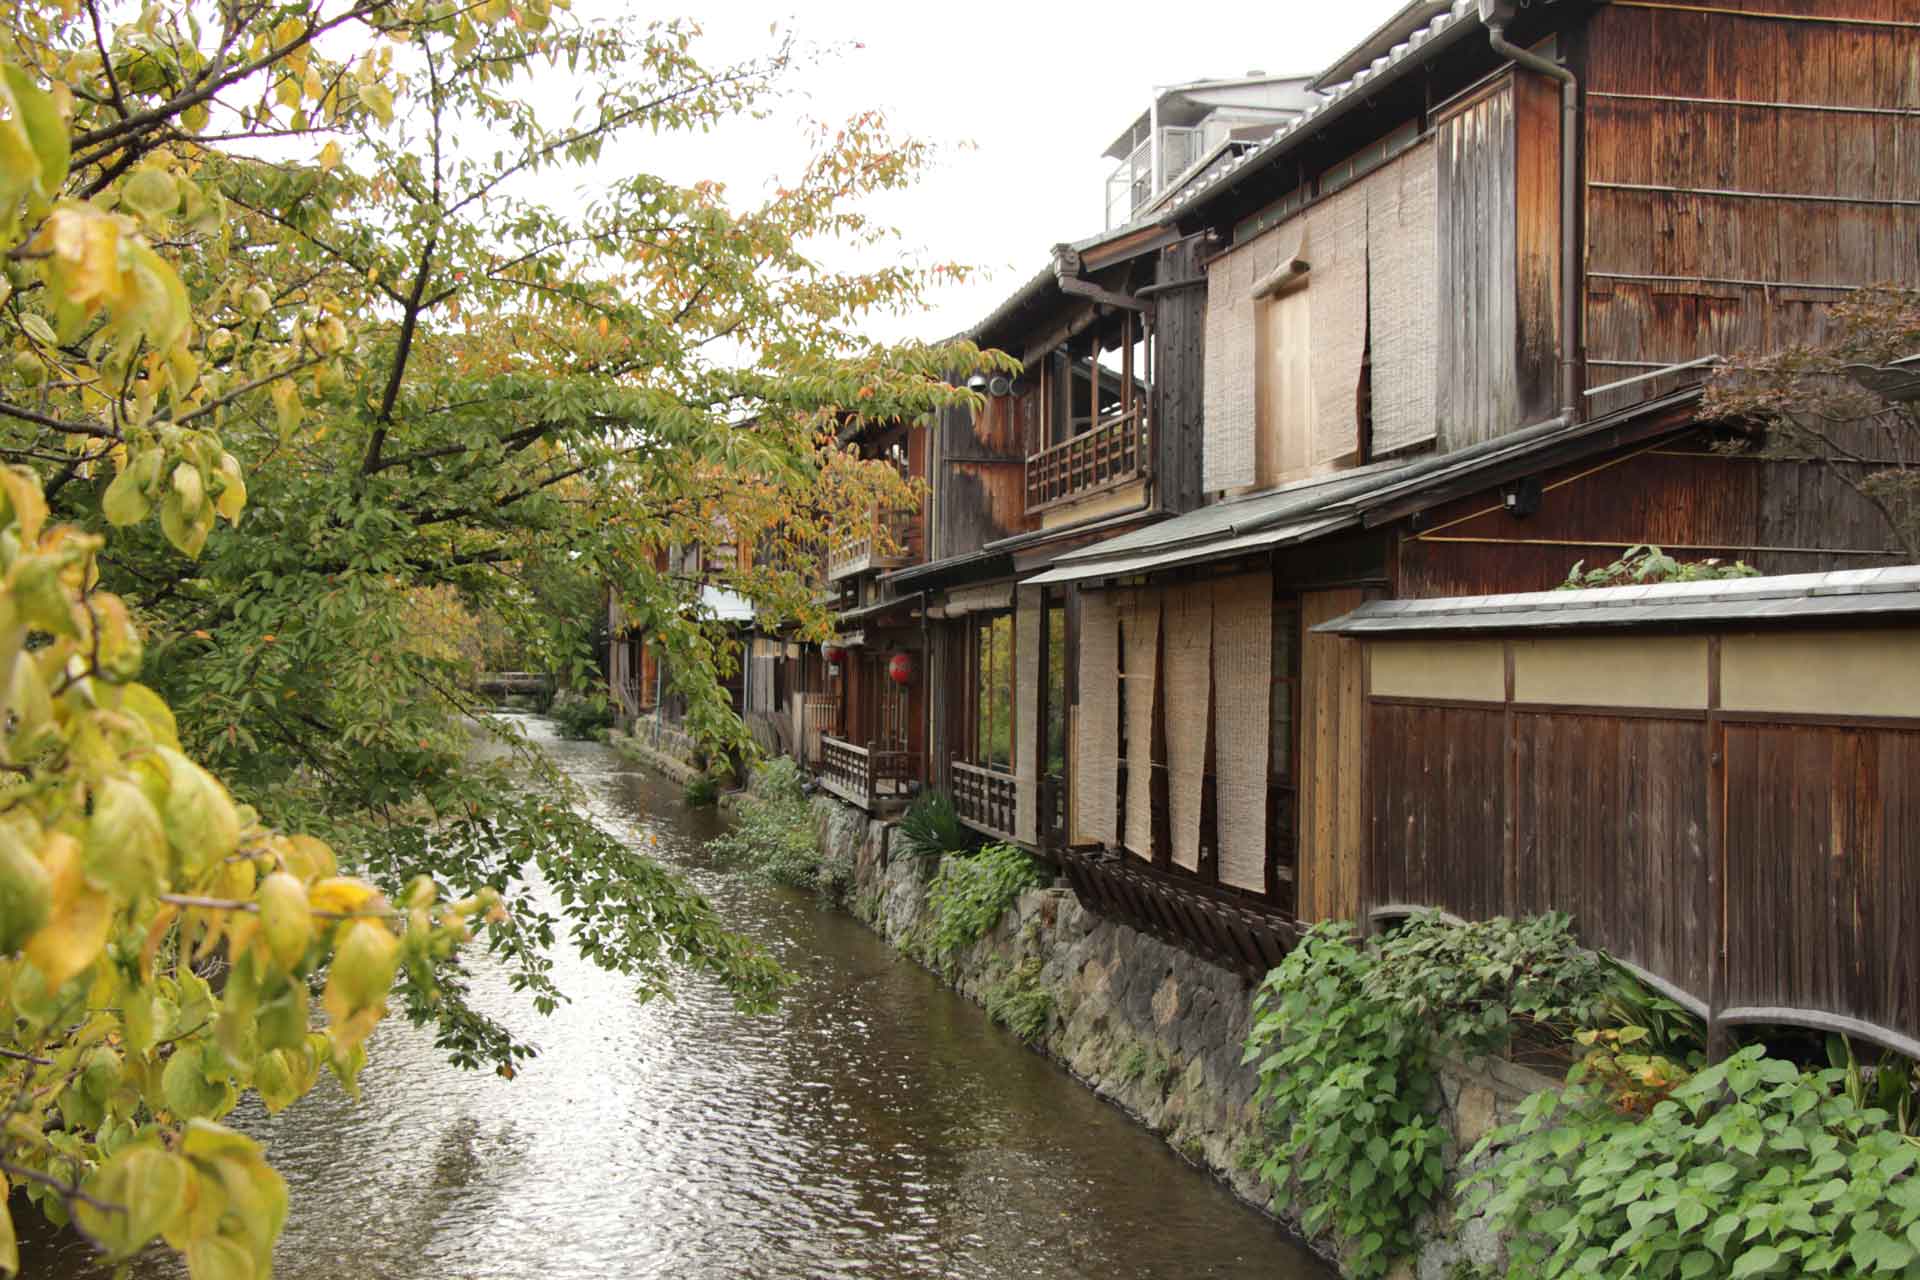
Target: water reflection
[877,1125]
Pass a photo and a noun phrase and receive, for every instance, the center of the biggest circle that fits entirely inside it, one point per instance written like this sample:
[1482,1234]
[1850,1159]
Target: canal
[877,1125]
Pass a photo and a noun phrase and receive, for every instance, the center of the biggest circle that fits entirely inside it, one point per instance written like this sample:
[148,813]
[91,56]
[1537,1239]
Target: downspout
[1495,14]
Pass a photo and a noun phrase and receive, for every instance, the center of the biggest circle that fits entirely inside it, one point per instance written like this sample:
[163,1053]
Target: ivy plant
[969,894]
[1752,1167]
[1347,1036]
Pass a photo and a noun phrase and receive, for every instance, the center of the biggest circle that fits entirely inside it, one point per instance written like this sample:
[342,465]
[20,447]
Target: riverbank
[1149,1027]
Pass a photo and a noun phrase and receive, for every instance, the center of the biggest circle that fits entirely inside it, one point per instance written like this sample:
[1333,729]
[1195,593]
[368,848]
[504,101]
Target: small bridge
[508,684]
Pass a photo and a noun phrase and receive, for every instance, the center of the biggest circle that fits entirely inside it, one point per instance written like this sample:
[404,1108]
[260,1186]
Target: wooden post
[1717,1038]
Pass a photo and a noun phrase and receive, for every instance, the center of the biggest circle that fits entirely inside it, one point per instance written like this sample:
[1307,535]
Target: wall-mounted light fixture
[1521,498]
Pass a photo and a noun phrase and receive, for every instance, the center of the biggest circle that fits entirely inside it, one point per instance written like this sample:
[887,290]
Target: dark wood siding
[1180,321]
[981,474]
[1332,833]
[1823,870]
[1697,124]
[1781,517]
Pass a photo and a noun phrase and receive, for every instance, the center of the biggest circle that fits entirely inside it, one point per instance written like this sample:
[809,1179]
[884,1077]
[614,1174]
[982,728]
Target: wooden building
[1456,321]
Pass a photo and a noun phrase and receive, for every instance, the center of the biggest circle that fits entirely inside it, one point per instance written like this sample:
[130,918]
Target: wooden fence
[1737,816]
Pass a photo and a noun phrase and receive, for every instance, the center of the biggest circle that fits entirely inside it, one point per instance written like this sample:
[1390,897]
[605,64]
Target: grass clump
[931,828]
[1021,1002]
[774,835]
[584,717]
[969,894]
[701,792]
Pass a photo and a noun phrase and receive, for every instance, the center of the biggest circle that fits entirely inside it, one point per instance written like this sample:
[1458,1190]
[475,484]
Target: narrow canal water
[877,1125]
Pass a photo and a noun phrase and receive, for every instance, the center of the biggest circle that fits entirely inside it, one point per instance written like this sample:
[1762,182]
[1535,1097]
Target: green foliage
[1646,564]
[931,828]
[1753,1167]
[1346,1036]
[1020,1002]
[584,717]
[128,874]
[773,834]
[701,792]
[968,894]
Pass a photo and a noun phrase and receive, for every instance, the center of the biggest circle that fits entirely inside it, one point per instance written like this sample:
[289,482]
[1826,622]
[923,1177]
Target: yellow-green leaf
[200,819]
[126,846]
[26,892]
[285,922]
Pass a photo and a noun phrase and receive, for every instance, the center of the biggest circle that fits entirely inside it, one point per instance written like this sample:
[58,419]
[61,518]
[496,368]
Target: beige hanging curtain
[1189,629]
[1401,303]
[1140,631]
[1097,725]
[1243,672]
[1233,283]
[1337,301]
[1026,714]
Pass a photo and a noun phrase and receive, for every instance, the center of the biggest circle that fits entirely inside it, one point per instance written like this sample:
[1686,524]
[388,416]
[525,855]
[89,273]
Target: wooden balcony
[985,799]
[1110,455]
[894,531]
[868,776]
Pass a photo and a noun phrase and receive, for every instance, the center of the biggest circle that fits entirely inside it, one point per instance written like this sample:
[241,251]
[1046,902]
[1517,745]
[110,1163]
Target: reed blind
[1097,722]
[1189,696]
[1140,633]
[1026,714]
[1337,304]
[1232,351]
[1243,672]
[1402,304]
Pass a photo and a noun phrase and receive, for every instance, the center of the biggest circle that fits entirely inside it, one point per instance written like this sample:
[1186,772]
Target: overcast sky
[1023,97]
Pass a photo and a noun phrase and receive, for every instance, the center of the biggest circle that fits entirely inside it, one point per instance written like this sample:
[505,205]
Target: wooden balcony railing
[1112,454]
[984,798]
[866,776]
[862,552]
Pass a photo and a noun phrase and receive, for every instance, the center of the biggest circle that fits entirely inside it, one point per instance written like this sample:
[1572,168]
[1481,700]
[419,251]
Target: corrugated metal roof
[1787,597]
[1203,553]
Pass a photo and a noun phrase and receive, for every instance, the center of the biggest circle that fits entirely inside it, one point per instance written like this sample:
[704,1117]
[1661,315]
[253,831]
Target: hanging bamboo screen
[1243,671]
[1026,714]
[1140,631]
[1226,460]
[1337,300]
[1188,695]
[1401,288]
[1097,721]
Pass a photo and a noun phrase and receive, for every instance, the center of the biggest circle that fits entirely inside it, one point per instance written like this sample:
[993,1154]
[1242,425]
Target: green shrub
[1021,1002]
[968,894]
[701,792]
[1753,1167]
[930,828]
[1646,564]
[774,835]
[581,716]
[1347,1036]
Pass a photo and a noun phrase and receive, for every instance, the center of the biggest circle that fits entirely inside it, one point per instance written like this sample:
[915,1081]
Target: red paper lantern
[900,668]
[833,653]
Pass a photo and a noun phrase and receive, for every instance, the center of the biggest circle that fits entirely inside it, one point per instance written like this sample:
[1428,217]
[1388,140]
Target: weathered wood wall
[1179,363]
[979,474]
[1332,708]
[1476,396]
[1743,170]
[1668,810]
[1781,517]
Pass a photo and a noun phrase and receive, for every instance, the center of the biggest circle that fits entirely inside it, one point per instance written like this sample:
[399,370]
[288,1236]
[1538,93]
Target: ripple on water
[876,1125]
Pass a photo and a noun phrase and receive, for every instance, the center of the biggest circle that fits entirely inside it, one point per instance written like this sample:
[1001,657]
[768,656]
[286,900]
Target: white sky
[1022,97]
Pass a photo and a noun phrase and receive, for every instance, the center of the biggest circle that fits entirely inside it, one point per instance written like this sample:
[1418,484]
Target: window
[992,691]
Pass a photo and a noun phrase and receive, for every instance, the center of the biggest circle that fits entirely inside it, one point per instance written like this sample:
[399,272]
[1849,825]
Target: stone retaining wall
[1147,1026]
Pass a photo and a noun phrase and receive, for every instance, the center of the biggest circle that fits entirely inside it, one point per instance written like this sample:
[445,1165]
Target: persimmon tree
[288,308]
